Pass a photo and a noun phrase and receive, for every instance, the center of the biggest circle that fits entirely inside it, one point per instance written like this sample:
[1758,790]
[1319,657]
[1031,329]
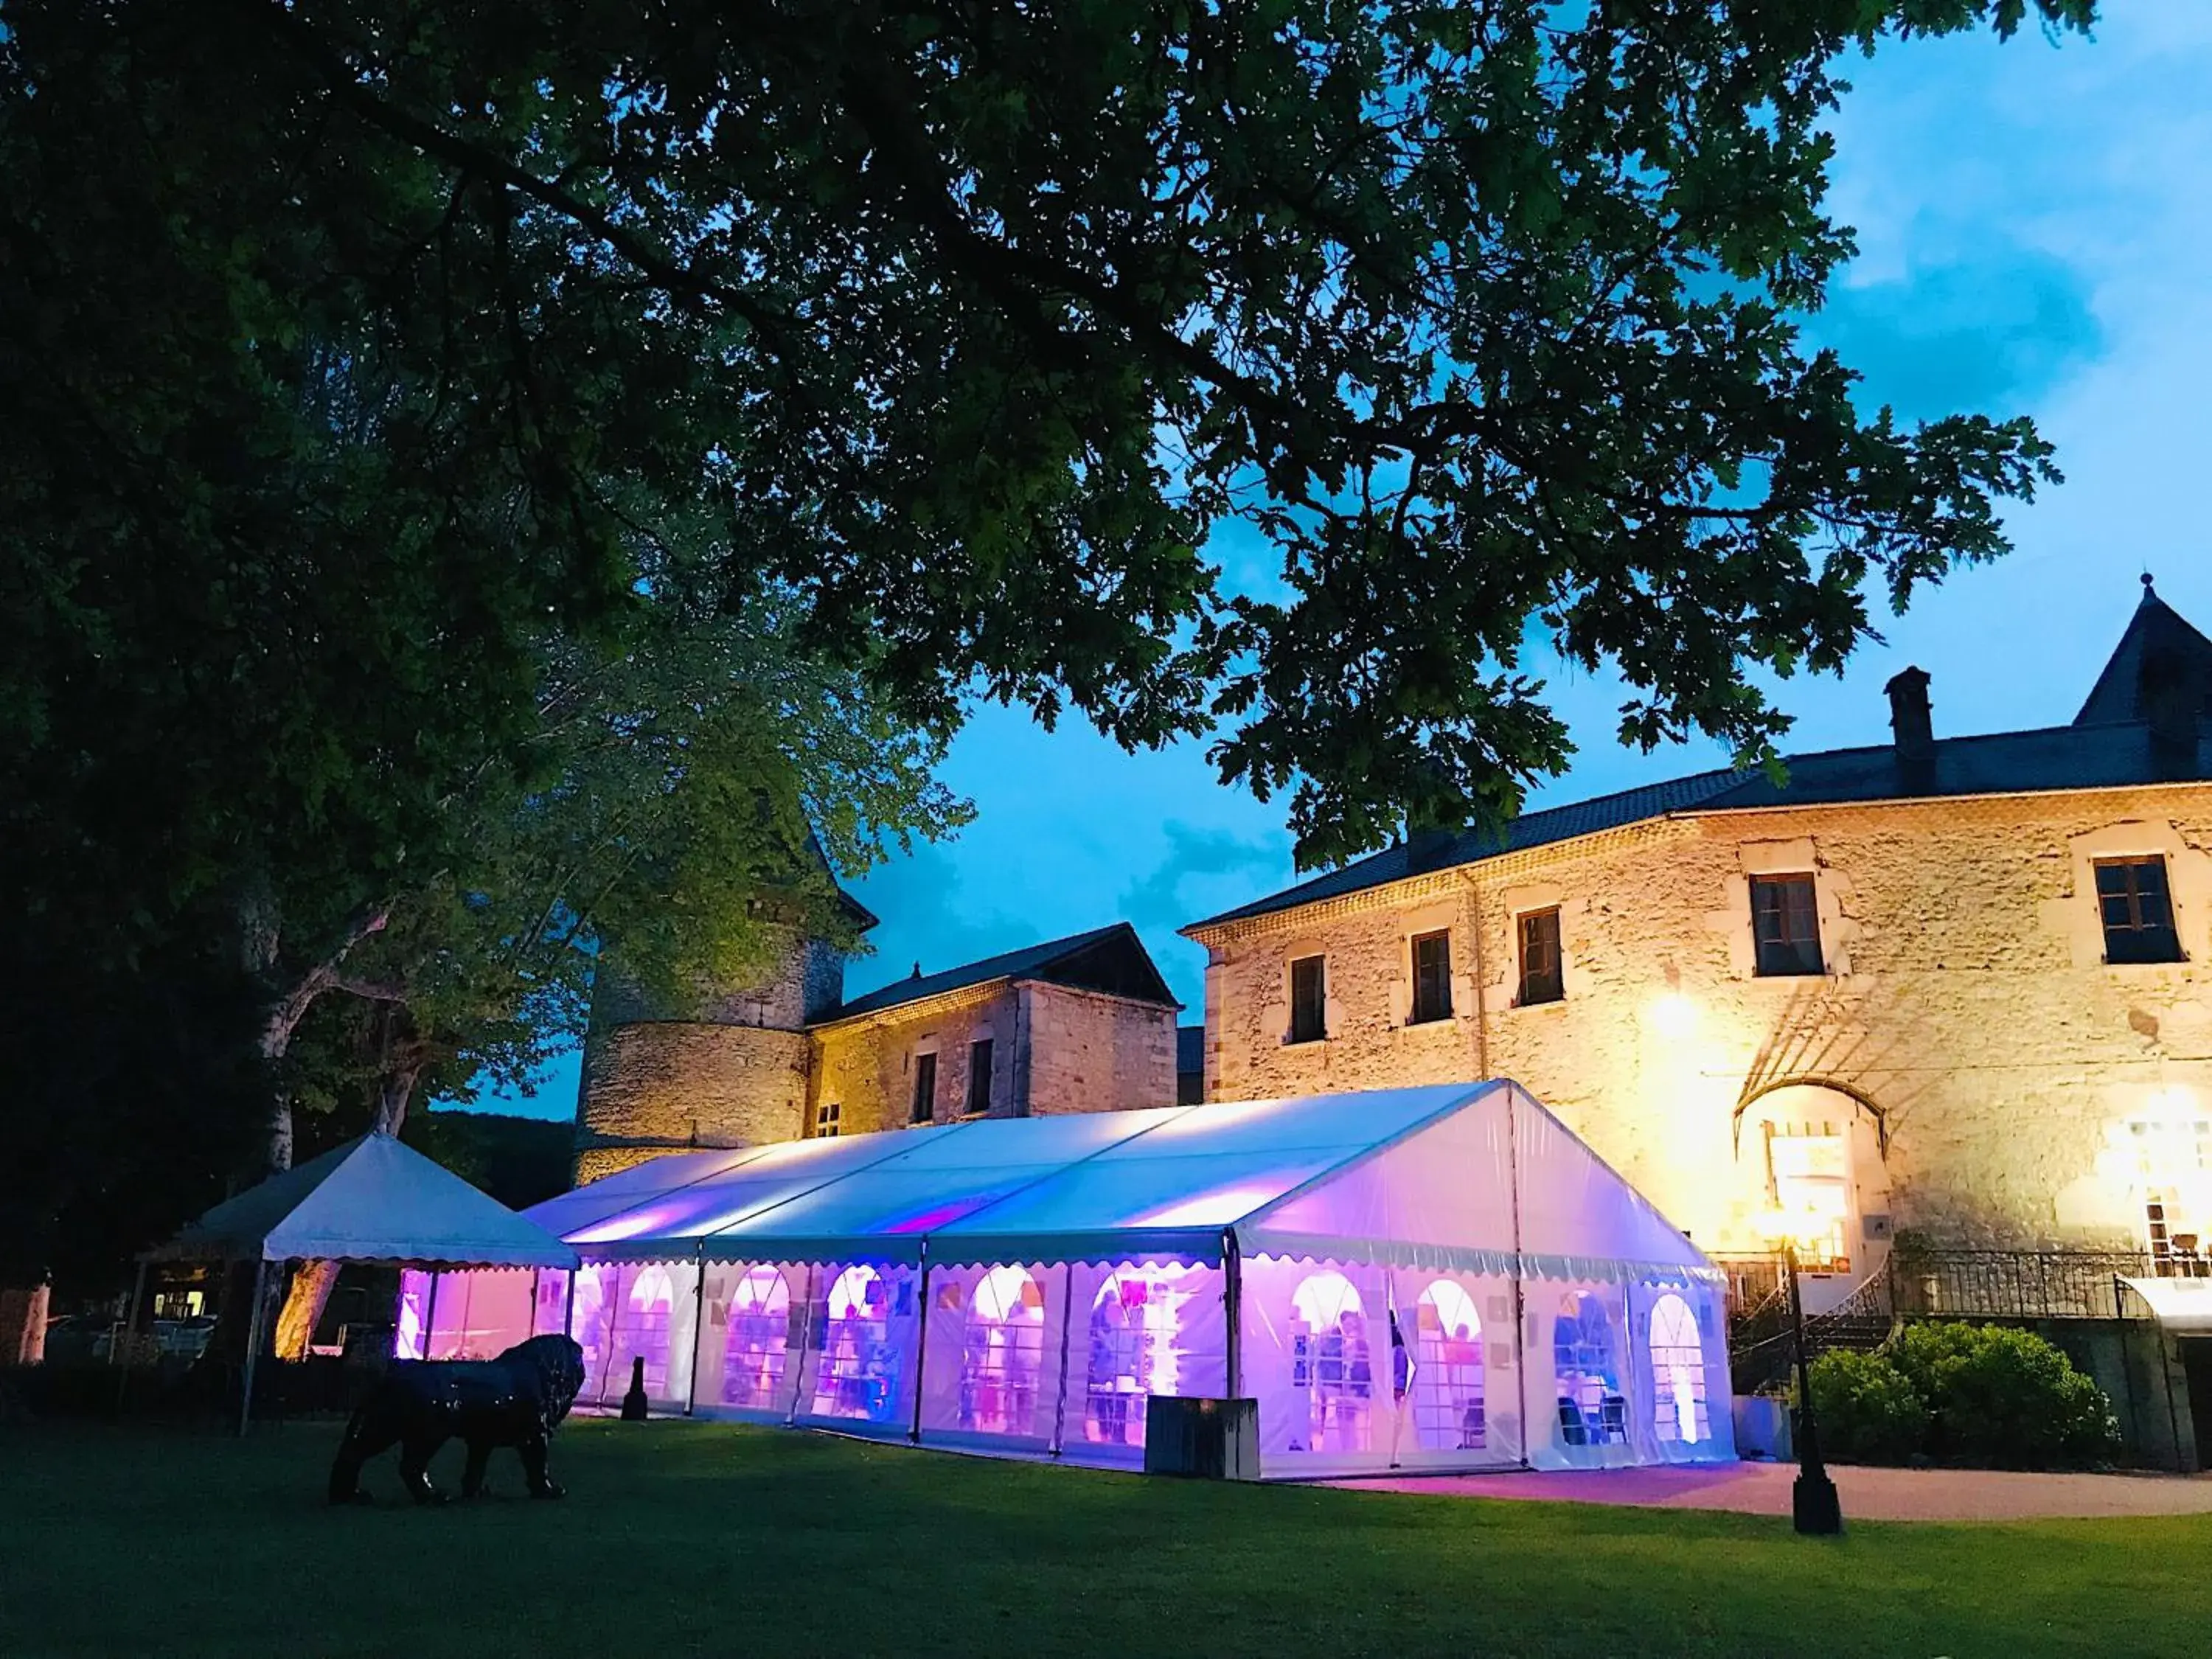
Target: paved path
[1869,1494]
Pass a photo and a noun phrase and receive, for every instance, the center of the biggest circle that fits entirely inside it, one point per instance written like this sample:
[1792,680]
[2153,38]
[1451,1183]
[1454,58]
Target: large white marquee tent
[1440,1278]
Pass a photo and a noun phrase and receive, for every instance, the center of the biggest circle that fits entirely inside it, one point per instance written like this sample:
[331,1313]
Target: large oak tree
[351,346]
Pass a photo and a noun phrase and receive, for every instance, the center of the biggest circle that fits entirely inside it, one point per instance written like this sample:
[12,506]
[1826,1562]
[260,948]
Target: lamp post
[1814,1508]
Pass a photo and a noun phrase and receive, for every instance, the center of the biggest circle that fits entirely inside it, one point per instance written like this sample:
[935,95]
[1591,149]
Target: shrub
[1868,1412]
[2002,1397]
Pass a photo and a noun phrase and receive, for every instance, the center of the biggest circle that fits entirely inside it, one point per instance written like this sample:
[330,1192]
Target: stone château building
[1084,1023]
[1954,987]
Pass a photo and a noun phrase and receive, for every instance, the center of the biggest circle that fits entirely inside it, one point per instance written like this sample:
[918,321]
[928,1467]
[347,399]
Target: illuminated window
[1678,1372]
[1431,977]
[1001,1353]
[2137,914]
[1541,980]
[859,1374]
[829,1119]
[1308,999]
[979,1077]
[1593,1411]
[1332,1365]
[925,1088]
[759,1337]
[1447,1413]
[644,1333]
[1786,925]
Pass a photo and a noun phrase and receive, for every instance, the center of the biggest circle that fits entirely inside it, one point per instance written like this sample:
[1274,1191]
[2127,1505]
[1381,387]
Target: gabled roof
[2110,744]
[2159,638]
[1112,960]
[371,1199]
[1475,1174]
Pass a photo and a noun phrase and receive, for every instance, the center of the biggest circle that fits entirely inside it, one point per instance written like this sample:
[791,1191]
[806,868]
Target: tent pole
[920,1346]
[253,1344]
[119,1351]
[1232,1310]
[430,1317]
[1067,1318]
[1520,1271]
[698,1323]
[568,1304]
[805,1338]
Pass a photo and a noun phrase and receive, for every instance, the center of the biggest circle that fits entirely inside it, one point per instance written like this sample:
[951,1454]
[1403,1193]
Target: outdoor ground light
[1815,1508]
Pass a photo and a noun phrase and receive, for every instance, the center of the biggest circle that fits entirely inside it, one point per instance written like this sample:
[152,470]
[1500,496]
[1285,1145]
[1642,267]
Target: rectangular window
[828,1118]
[979,1077]
[1308,999]
[925,1088]
[2138,917]
[1541,980]
[1431,977]
[1786,925]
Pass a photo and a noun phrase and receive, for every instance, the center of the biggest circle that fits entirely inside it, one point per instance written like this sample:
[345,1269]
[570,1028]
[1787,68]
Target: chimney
[1912,729]
[2169,697]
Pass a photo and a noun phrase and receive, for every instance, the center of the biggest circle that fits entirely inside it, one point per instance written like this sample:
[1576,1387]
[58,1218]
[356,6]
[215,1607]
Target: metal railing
[2015,1283]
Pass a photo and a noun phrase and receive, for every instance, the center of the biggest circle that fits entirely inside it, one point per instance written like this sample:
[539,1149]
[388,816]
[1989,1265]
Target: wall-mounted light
[1672,1015]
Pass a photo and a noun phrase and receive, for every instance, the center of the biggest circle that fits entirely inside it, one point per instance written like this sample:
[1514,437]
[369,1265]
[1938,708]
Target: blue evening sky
[2035,234]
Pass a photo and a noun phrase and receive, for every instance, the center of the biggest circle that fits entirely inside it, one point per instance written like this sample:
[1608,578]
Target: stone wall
[1998,1082]
[866,1065]
[652,1087]
[1093,1052]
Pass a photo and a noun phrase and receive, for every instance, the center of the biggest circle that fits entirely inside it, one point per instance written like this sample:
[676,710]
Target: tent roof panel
[372,1200]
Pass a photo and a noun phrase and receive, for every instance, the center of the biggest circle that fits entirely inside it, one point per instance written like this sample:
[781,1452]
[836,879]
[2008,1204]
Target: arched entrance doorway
[1818,1153]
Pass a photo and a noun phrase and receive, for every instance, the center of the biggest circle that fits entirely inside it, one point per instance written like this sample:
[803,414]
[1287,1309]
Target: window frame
[829,1120]
[1784,882]
[982,1049]
[1430,1013]
[1527,989]
[923,1108]
[2160,941]
[1318,1001]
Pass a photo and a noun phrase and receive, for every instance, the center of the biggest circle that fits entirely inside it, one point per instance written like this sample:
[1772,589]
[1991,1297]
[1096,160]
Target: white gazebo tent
[1440,1278]
[372,1200]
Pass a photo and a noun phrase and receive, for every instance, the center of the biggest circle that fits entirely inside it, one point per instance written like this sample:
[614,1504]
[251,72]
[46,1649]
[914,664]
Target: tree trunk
[313,1284]
[23,1326]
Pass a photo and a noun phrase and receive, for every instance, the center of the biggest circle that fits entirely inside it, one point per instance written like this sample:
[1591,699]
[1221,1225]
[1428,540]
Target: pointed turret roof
[2157,633]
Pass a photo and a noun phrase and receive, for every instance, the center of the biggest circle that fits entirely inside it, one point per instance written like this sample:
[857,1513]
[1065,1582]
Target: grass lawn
[682,1538]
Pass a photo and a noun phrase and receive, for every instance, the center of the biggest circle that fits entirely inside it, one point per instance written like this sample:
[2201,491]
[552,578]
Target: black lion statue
[516,1400]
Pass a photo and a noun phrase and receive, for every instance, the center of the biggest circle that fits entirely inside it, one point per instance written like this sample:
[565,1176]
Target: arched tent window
[1001,1352]
[592,1324]
[1143,1331]
[646,1330]
[1592,1410]
[858,1375]
[1332,1363]
[1447,1412]
[1678,1372]
[753,1355]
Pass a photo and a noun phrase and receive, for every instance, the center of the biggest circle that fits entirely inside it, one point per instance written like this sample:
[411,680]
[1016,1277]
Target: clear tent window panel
[1001,1353]
[550,1312]
[642,1327]
[592,1324]
[1332,1365]
[1150,1328]
[860,1343]
[756,1318]
[1678,1372]
[1448,1412]
[1593,1407]
[410,1338]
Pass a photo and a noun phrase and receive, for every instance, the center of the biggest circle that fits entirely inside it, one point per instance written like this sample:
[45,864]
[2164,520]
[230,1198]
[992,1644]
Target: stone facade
[784,1060]
[1967,1064]
[734,1072]
[1054,1048]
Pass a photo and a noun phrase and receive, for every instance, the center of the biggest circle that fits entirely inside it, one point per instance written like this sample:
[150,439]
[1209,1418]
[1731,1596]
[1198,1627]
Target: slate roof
[2156,634]
[1109,959]
[2100,750]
